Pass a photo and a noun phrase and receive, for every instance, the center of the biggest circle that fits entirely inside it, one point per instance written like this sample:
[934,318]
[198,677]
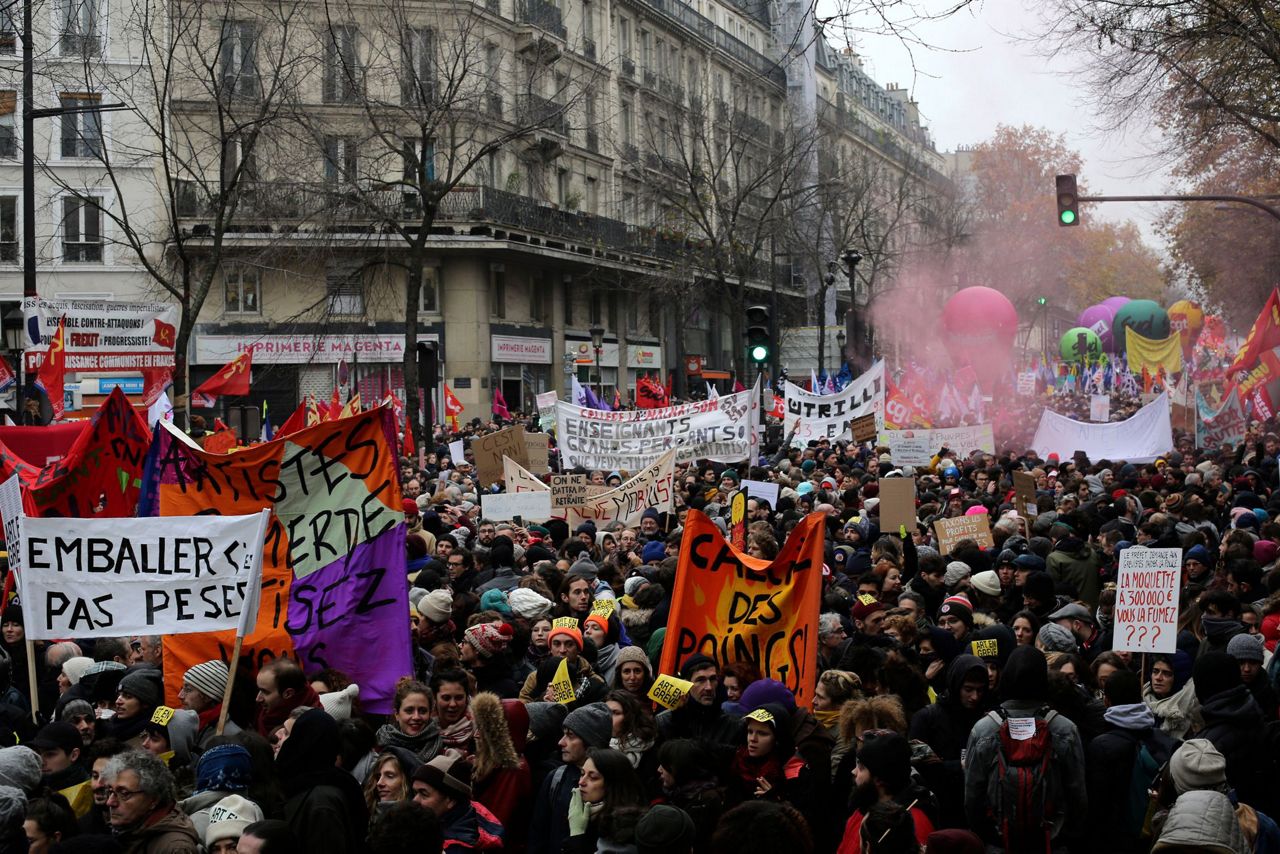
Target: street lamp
[12,323]
[597,344]
[851,257]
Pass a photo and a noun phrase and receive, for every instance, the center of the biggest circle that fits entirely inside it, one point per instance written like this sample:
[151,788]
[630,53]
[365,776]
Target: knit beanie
[593,723]
[229,817]
[20,768]
[224,768]
[488,640]
[1214,673]
[654,551]
[145,685]
[888,757]
[495,600]
[633,585]
[568,631]
[636,655]
[986,582]
[436,606]
[957,571]
[1245,647]
[584,567]
[959,607]
[1197,764]
[13,804]
[1055,638]
[697,661]
[338,703]
[663,829]
[528,603]
[76,709]
[209,678]
[765,691]
[861,610]
[74,668]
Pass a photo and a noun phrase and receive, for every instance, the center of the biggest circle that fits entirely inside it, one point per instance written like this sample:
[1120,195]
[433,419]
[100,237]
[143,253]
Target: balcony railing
[534,110]
[542,15]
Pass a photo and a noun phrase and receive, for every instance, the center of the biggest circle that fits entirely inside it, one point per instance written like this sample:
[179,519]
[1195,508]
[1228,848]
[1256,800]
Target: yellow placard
[80,796]
[162,715]
[564,623]
[668,691]
[562,686]
[984,648]
[604,607]
[867,599]
[761,715]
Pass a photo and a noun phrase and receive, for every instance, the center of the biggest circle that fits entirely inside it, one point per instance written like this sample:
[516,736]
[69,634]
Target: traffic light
[759,334]
[1068,201]
[1041,301]
[428,365]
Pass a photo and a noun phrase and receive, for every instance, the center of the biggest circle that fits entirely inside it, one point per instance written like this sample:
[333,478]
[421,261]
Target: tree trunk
[412,400]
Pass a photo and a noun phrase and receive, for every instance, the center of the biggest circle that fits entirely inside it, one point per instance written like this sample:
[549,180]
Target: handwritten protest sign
[538,449]
[567,490]
[863,428]
[951,531]
[732,607]
[333,582]
[11,513]
[1026,384]
[561,687]
[1024,494]
[519,479]
[897,503]
[112,577]
[527,506]
[1147,592]
[917,447]
[490,448]
[653,486]
[1224,426]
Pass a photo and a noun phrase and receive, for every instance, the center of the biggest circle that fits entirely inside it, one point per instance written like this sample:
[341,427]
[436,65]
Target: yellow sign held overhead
[668,691]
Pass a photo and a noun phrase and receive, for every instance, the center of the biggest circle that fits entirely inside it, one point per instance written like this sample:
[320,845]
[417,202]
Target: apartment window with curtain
[345,292]
[82,129]
[81,230]
[418,153]
[429,290]
[8,229]
[242,286]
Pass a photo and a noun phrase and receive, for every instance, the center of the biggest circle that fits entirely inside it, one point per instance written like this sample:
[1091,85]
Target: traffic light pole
[1244,200]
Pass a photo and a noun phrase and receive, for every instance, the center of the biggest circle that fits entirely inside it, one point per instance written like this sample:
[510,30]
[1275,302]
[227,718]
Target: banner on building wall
[102,335]
[827,416]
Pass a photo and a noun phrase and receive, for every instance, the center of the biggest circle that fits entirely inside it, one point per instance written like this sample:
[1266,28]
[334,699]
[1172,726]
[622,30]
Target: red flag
[7,376]
[779,409]
[500,404]
[154,382]
[650,394]
[53,370]
[1264,335]
[219,425]
[165,335]
[334,411]
[738,386]
[670,379]
[231,379]
[295,422]
[452,406]
[617,399]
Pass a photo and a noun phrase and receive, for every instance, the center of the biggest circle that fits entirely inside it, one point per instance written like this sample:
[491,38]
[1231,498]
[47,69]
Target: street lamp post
[851,257]
[12,323]
[597,344]
[568,377]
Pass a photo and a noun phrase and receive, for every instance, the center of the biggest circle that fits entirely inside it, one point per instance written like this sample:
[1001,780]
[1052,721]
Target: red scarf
[749,769]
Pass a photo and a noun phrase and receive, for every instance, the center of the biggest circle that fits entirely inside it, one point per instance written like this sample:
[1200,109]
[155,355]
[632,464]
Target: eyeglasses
[122,795]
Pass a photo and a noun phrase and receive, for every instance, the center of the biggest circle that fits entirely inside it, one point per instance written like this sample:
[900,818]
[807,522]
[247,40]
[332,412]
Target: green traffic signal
[759,353]
[1068,217]
[1041,300]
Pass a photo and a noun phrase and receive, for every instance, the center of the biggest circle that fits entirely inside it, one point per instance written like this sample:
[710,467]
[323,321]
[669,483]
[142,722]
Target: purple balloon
[1100,319]
[1115,302]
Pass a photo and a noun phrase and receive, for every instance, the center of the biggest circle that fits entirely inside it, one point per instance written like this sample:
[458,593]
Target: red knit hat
[487,638]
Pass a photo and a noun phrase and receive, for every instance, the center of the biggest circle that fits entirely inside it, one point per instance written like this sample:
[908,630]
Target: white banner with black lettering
[917,447]
[720,430]
[102,578]
[827,416]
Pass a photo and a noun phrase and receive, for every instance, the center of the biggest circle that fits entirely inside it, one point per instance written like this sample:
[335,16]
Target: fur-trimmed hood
[501,733]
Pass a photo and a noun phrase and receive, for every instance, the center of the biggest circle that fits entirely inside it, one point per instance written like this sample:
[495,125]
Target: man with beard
[883,774]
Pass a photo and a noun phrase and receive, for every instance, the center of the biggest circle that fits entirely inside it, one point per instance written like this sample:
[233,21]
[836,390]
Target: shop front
[521,368]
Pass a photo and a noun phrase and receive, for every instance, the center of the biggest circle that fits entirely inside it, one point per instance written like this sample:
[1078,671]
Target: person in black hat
[701,716]
[883,775]
[59,745]
[665,829]
[443,786]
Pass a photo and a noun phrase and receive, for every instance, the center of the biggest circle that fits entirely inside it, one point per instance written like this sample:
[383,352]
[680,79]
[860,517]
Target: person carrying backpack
[1024,784]
[1124,762]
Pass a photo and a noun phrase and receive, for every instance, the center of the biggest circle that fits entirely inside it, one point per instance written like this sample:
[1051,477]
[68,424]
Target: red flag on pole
[1264,335]
[53,371]
[294,422]
[452,406]
[231,379]
[500,404]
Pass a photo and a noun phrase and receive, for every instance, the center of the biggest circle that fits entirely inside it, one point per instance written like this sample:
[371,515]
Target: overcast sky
[986,74]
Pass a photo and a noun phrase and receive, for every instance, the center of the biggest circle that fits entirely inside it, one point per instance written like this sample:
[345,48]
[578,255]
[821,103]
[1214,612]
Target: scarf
[124,729]
[208,718]
[748,769]
[1220,628]
[828,717]
[425,745]
[459,735]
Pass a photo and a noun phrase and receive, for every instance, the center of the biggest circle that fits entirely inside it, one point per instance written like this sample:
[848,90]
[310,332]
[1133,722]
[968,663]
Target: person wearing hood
[1219,621]
[221,771]
[938,648]
[1204,822]
[603,632]
[1073,561]
[1115,822]
[1198,766]
[1170,693]
[171,734]
[500,777]
[324,806]
[1024,685]
[766,766]
[139,694]
[443,786]
[883,775]
[945,727]
[142,808]
[1235,725]
[1248,652]
[502,567]
[413,725]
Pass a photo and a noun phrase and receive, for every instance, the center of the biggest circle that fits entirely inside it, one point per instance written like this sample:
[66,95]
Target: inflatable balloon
[1080,344]
[1187,319]
[1143,316]
[1115,303]
[1099,318]
[980,325]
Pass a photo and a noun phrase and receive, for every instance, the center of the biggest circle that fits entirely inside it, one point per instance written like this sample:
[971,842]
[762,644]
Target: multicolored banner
[732,607]
[1152,355]
[1223,426]
[333,587]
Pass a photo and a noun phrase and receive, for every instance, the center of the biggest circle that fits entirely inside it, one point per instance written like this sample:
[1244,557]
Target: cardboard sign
[951,531]
[490,448]
[863,428]
[668,691]
[538,448]
[520,479]
[897,503]
[1147,591]
[527,506]
[1024,494]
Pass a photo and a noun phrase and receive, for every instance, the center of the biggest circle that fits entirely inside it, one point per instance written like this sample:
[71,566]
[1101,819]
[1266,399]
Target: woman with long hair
[634,673]
[500,776]
[413,725]
[1170,694]
[453,690]
[606,806]
[634,730]
[389,781]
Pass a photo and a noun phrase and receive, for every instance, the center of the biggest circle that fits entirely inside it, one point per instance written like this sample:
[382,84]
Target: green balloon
[1143,316]
[1080,343]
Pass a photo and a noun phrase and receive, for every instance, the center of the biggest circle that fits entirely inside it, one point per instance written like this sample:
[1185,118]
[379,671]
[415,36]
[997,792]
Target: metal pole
[1244,200]
[28,157]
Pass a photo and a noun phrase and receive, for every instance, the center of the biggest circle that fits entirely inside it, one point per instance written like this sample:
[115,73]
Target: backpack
[1139,805]
[1026,788]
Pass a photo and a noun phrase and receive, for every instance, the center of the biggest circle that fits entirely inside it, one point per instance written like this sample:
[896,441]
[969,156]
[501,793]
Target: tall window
[81,230]
[8,29]
[429,290]
[345,290]
[417,54]
[497,291]
[8,229]
[243,287]
[342,65]
[8,129]
[238,59]
[340,160]
[82,128]
[624,37]
[628,123]
[238,163]
[418,155]
[566,299]
[79,27]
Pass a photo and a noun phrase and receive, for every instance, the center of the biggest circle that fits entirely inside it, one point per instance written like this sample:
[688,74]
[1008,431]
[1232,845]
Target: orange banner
[736,608]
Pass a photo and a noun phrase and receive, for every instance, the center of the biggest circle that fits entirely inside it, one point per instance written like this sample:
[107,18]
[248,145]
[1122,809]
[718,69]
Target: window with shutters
[342,72]
[238,59]
[8,229]
[243,287]
[345,290]
[81,125]
[341,160]
[417,54]
[81,230]
[79,27]
[8,126]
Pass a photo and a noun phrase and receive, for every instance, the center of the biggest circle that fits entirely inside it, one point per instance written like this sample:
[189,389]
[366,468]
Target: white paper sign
[917,447]
[1147,591]
[1099,407]
[827,416]
[529,506]
[457,452]
[153,576]
[11,512]
[763,490]
[1022,729]
[517,478]
[1140,439]
[1026,384]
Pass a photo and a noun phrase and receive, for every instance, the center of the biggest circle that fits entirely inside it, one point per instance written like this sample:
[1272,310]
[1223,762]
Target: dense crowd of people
[965,702]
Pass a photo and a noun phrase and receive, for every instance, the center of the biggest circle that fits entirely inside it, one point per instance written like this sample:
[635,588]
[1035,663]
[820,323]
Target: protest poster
[527,506]
[738,520]
[538,449]
[917,447]
[457,452]
[897,504]
[827,416]
[490,448]
[1099,407]
[333,582]
[1141,438]
[106,578]
[11,514]
[98,475]
[951,531]
[669,691]
[1225,425]
[863,428]
[1024,494]
[1027,383]
[1147,590]
[732,607]
[546,404]
[517,478]
[653,486]
[567,490]
[104,336]
[763,490]
[720,430]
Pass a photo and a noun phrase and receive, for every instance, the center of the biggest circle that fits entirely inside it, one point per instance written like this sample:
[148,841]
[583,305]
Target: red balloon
[981,325]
